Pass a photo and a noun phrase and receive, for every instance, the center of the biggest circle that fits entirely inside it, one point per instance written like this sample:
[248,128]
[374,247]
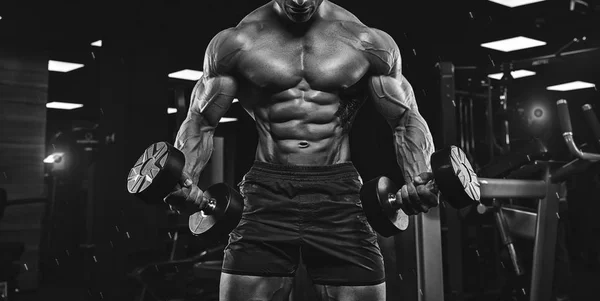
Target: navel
[303,144]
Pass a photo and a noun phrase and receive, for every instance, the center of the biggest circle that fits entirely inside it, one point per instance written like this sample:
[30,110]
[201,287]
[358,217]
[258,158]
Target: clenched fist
[188,198]
[420,195]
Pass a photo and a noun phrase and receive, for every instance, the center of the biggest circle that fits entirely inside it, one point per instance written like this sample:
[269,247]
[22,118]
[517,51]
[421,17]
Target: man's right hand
[188,198]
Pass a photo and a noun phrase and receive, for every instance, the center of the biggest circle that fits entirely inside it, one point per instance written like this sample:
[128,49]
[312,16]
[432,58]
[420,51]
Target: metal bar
[507,240]
[566,171]
[592,123]
[430,282]
[464,122]
[491,140]
[406,262]
[541,60]
[448,106]
[461,122]
[448,132]
[506,128]
[419,259]
[471,130]
[565,125]
[467,93]
[510,188]
[466,67]
[542,271]
[89,206]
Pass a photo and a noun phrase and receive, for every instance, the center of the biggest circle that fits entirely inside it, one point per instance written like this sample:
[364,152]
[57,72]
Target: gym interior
[87,86]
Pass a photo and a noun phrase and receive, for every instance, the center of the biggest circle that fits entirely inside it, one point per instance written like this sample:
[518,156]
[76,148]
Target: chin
[299,18]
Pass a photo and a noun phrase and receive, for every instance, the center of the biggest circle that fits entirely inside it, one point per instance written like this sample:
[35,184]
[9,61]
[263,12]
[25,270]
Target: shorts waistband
[339,171]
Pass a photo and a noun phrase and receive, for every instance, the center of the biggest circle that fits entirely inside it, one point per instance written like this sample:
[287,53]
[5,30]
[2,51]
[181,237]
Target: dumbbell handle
[565,125]
[209,206]
[396,203]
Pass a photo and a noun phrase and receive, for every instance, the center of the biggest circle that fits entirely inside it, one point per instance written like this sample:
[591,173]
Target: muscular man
[302,69]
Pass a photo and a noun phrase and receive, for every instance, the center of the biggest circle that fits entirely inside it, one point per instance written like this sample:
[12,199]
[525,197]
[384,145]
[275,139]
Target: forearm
[413,144]
[196,143]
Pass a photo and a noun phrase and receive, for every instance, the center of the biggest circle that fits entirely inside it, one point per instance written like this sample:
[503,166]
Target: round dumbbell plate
[156,172]
[222,216]
[455,177]
[375,197]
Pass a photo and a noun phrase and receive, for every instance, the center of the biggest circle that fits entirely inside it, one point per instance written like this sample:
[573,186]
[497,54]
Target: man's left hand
[420,195]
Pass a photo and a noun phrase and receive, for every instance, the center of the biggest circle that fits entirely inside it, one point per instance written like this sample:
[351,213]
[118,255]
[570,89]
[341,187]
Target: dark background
[125,90]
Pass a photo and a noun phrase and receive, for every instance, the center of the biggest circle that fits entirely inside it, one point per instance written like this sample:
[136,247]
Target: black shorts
[313,212]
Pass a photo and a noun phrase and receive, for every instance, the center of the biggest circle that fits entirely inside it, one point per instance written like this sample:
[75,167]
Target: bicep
[211,98]
[392,96]
[213,94]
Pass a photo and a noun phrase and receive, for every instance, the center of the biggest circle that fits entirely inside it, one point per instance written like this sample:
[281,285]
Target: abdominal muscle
[301,132]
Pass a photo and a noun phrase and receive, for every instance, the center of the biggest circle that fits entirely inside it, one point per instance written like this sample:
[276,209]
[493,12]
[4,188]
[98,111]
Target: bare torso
[303,89]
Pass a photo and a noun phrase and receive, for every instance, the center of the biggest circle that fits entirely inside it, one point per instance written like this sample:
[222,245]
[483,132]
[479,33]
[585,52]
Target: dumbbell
[454,177]
[157,173]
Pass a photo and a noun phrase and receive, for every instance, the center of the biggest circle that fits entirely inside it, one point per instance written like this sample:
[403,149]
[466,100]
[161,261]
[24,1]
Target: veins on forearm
[196,143]
[414,145]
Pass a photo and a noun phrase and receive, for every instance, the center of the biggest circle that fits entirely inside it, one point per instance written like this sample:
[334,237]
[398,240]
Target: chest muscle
[324,62]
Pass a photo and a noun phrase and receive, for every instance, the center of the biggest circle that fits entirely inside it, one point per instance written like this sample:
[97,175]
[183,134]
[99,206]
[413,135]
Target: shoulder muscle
[221,52]
[385,53]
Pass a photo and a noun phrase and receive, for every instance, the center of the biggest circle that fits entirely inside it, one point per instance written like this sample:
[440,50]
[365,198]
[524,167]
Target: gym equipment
[565,125]
[455,179]
[592,122]
[157,173]
[540,226]
[195,277]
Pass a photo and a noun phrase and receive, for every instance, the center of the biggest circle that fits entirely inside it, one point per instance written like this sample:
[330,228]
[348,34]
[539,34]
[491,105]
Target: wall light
[54,158]
[63,105]
[187,74]
[515,74]
[171,110]
[515,3]
[97,43]
[227,119]
[58,66]
[576,85]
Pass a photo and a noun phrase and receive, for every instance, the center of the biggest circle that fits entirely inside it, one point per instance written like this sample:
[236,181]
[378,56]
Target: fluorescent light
[54,158]
[63,105]
[59,66]
[513,44]
[187,74]
[515,74]
[515,3]
[171,110]
[227,119]
[576,85]
[97,43]
[235,100]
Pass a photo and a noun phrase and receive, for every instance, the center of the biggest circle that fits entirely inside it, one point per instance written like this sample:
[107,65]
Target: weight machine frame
[547,211]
